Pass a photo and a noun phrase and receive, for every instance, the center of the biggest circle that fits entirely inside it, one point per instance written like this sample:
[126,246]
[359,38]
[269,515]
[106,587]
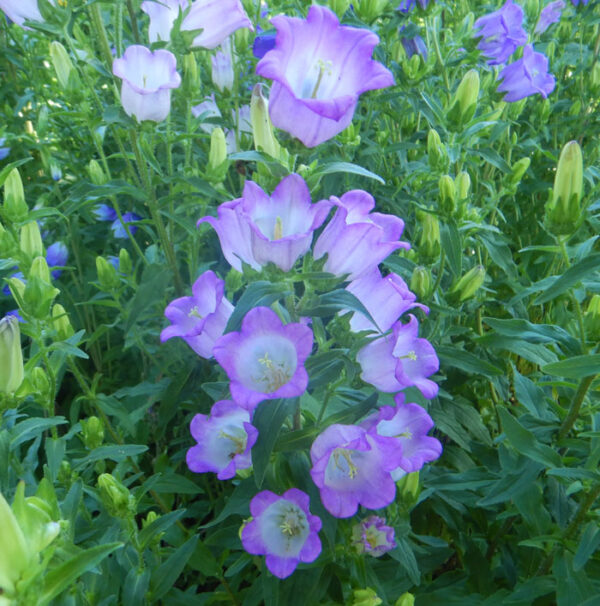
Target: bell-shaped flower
[118,228]
[282,529]
[373,537]
[224,440]
[19,10]
[265,360]
[357,240]
[56,256]
[217,19]
[319,68]
[408,424]
[399,360]
[501,32]
[550,14]
[222,66]
[4,151]
[148,78]
[258,229]
[526,76]
[351,467]
[200,319]
[386,299]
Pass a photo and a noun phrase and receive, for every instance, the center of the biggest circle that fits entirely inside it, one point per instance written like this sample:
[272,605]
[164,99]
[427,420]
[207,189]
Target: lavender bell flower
[103,212]
[373,537]
[265,360]
[386,299]
[19,10]
[200,319]
[501,32]
[394,362]
[526,76]
[148,78]
[414,46]
[356,240]
[56,256]
[550,14]
[118,228]
[258,229]
[263,43]
[217,18]
[283,529]
[319,68]
[408,424]
[224,440]
[222,66]
[351,467]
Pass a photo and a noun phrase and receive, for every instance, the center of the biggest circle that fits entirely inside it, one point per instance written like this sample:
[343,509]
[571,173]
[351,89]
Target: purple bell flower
[103,212]
[263,43]
[16,314]
[414,46]
[356,240]
[283,529]
[394,362]
[224,440]
[351,467]
[148,78]
[258,229]
[407,5]
[386,299]
[550,14]
[265,360]
[222,66]
[408,424]
[577,2]
[501,33]
[319,68]
[526,76]
[56,256]
[373,537]
[118,228]
[200,319]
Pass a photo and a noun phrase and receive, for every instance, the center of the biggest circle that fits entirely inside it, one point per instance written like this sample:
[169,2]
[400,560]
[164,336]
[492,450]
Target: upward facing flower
[319,68]
[148,78]
[501,33]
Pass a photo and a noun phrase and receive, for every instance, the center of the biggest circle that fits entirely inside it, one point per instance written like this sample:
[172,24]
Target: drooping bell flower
[386,299]
[263,43]
[217,18]
[550,14]
[408,424]
[319,68]
[265,360]
[373,537]
[222,66]
[200,319]
[148,78]
[282,529]
[56,256]
[501,32]
[224,440]
[258,229]
[356,240]
[19,10]
[351,467]
[526,76]
[118,228]
[394,362]
[414,46]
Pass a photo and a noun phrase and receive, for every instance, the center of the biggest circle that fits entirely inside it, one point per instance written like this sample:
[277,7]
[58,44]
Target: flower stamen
[352,470]
[324,67]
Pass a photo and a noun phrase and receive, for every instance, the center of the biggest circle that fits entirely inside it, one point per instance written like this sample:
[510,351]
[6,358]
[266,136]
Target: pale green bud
[591,318]
[517,171]
[190,73]
[421,283]
[464,103]
[65,72]
[30,240]
[93,432]
[7,243]
[125,264]
[114,495]
[61,323]
[365,597]
[107,274]
[436,151]
[369,10]
[429,242]
[97,176]
[11,356]
[411,66]
[595,77]
[447,194]
[217,156]
[39,269]
[406,599]
[409,489]
[42,126]
[462,183]
[17,289]
[563,212]
[14,557]
[339,7]
[262,129]
[469,284]
[40,381]
[39,292]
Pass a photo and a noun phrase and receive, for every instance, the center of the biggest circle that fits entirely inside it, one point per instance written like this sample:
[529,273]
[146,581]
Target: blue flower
[414,46]
[263,43]
[118,228]
[550,14]
[56,256]
[103,212]
[4,151]
[526,76]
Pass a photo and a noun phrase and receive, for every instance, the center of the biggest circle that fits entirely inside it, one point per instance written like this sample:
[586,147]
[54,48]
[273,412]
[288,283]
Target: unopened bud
[15,208]
[517,171]
[39,269]
[429,243]
[365,597]
[406,599]
[11,356]
[462,183]
[409,489]
[262,129]
[190,73]
[339,7]
[591,318]
[114,495]
[421,283]
[595,77]
[107,274]
[40,382]
[447,194]
[465,99]
[30,240]
[222,66]
[369,10]
[65,72]
[15,556]
[93,432]
[563,212]
[7,243]
[469,284]
[97,176]
[436,151]
[17,289]
[217,156]
[125,264]
[61,323]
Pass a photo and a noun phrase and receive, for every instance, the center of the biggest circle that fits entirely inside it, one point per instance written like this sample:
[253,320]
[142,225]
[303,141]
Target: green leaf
[466,361]
[151,289]
[58,579]
[31,428]
[135,586]
[8,168]
[574,368]
[159,525]
[164,577]
[404,554]
[337,300]
[589,542]
[114,452]
[530,395]
[452,244]
[345,167]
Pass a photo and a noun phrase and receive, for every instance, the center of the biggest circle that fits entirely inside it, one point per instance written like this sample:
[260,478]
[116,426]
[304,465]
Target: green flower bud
[411,66]
[30,240]
[217,156]
[93,432]
[544,109]
[15,207]
[462,183]
[409,489]
[61,323]
[125,264]
[190,73]
[349,136]
[591,318]
[14,556]
[464,103]
[421,283]
[406,599]
[447,194]
[40,382]
[595,77]
[65,72]
[17,289]
[469,284]
[262,129]
[39,292]
[7,243]
[369,10]
[11,356]
[339,7]
[365,597]
[97,176]
[65,473]
[563,211]
[114,496]
[436,151]
[39,269]
[107,274]
[518,169]
[429,242]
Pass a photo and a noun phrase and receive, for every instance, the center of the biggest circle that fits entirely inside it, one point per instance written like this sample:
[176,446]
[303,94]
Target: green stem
[133,21]
[438,54]
[440,272]
[571,417]
[578,313]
